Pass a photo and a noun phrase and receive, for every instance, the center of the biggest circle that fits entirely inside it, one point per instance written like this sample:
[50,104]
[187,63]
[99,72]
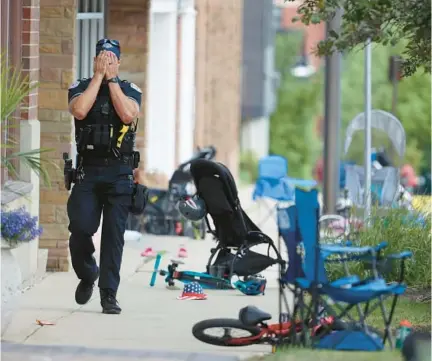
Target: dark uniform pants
[108,191]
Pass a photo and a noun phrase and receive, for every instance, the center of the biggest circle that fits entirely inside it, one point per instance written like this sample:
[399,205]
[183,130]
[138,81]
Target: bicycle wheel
[225,338]
[159,226]
[333,229]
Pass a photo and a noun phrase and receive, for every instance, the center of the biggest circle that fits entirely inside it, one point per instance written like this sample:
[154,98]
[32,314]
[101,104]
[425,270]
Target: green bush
[248,167]
[403,232]
[299,103]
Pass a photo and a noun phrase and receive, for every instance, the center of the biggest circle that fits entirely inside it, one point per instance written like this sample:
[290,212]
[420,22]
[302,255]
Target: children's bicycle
[251,328]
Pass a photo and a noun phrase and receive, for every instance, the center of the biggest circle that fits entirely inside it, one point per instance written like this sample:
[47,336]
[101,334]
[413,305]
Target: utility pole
[395,77]
[332,121]
[368,130]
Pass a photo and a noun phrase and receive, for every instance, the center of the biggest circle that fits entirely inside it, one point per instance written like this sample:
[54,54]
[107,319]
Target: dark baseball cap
[108,45]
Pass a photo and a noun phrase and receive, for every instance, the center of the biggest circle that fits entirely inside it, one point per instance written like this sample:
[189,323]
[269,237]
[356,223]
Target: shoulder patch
[74,85]
[134,86]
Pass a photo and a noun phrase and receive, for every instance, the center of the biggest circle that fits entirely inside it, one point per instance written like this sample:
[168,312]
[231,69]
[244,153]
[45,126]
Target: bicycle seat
[251,315]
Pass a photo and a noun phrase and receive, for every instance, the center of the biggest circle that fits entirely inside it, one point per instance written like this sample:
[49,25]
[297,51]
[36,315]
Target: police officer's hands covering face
[101,64]
[113,66]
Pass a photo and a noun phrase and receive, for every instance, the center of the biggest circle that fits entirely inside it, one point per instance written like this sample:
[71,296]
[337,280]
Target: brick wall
[57,34]
[218,78]
[128,23]
[30,56]
[314,33]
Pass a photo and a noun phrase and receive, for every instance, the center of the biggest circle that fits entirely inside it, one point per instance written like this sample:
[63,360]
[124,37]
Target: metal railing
[90,28]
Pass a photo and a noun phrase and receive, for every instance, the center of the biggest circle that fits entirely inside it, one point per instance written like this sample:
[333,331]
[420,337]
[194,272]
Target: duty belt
[105,162]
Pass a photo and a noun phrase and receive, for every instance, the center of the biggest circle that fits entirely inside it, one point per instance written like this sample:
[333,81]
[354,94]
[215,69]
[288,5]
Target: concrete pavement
[154,325]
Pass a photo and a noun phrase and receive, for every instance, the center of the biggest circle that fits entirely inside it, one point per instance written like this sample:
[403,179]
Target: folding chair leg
[270,211]
[387,321]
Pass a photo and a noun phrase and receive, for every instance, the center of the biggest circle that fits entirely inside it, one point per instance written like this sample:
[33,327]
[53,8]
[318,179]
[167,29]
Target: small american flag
[192,291]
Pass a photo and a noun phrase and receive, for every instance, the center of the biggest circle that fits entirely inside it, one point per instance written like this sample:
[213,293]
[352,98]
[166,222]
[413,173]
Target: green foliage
[14,89]
[249,167]
[301,101]
[401,230]
[386,22]
[292,125]
[413,103]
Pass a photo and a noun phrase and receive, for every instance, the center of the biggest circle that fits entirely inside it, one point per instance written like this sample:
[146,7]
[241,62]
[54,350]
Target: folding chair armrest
[402,255]
[381,246]
[378,247]
[333,249]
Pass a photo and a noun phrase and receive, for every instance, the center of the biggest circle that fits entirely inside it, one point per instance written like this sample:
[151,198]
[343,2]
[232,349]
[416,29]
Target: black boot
[109,303]
[84,290]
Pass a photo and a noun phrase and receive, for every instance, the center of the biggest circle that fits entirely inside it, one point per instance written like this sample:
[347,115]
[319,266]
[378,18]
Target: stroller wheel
[225,332]
[159,226]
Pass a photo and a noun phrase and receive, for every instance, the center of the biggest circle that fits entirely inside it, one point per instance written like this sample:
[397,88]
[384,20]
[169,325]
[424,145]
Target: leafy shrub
[14,87]
[404,231]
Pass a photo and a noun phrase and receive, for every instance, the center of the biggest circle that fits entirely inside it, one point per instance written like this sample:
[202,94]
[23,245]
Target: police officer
[104,108]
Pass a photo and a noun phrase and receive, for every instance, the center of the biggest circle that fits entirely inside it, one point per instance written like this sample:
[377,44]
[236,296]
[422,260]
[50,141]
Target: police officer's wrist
[99,77]
[113,79]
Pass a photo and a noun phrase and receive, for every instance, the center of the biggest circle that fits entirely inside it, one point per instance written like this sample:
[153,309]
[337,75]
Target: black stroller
[234,231]
[161,216]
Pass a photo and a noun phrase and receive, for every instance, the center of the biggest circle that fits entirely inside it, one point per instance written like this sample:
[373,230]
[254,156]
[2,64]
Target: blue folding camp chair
[332,302]
[271,184]
[274,183]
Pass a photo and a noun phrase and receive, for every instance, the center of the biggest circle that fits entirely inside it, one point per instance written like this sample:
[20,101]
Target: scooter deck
[205,280]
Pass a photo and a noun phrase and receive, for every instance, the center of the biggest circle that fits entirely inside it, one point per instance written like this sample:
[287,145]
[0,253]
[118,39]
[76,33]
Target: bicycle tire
[159,226]
[199,328]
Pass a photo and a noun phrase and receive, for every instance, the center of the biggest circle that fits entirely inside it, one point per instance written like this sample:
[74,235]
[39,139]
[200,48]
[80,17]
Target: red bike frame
[274,331]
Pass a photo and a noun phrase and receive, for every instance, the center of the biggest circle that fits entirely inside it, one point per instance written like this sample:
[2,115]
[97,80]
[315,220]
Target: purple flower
[19,226]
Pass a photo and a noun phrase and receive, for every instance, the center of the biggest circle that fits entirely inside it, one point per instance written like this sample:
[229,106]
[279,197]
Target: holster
[136,159]
[139,199]
[68,171]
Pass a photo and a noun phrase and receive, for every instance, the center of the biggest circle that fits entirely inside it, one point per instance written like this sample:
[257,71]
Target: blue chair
[272,183]
[335,299]
[272,171]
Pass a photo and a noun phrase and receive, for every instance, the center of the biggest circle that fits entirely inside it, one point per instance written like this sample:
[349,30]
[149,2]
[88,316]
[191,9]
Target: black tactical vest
[101,133]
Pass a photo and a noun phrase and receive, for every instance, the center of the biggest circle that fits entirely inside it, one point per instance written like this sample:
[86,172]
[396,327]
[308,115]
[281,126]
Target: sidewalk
[154,325]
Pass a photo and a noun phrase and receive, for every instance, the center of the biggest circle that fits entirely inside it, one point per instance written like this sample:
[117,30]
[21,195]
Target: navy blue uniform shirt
[129,89]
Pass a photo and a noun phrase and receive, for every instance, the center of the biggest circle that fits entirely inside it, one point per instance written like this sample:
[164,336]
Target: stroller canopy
[383,121]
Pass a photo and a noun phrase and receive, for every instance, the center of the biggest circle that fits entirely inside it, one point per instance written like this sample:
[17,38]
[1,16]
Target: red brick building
[313,34]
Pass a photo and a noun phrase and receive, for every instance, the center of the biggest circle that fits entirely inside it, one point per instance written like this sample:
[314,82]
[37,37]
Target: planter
[10,286]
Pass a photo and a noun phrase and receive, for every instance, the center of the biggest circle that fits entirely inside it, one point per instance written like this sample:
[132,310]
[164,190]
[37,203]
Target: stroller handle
[201,153]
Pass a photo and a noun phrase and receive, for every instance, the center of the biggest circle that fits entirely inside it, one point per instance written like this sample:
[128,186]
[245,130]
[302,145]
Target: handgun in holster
[68,171]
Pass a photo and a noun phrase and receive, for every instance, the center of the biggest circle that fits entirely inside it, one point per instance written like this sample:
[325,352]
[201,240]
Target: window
[90,28]
[11,22]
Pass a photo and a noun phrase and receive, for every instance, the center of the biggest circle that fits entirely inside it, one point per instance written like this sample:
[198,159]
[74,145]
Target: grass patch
[419,314]
[308,355]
